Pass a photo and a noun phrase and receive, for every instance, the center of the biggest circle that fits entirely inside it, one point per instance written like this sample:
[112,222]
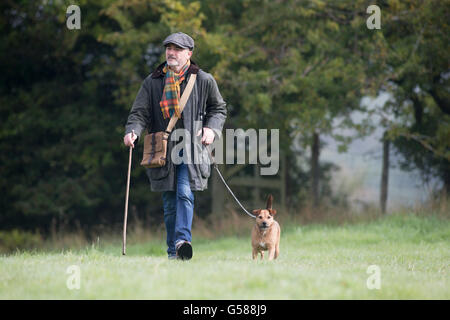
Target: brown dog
[266,232]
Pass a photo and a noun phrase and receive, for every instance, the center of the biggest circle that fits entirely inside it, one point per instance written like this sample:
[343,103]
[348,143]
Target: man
[152,108]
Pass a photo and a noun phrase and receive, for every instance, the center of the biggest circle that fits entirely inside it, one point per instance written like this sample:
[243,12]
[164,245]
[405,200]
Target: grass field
[316,262]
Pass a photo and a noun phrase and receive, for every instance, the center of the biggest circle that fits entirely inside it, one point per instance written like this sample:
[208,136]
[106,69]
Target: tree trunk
[446,183]
[219,191]
[384,174]
[315,170]
[283,178]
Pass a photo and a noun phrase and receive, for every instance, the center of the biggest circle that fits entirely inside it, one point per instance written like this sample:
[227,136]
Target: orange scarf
[170,101]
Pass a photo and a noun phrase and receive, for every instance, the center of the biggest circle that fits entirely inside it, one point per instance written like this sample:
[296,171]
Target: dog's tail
[269,202]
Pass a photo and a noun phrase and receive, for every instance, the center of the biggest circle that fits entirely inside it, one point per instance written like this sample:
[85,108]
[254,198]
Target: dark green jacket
[205,102]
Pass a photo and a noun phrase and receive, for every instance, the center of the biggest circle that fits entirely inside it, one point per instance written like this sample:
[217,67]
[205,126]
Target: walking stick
[126,206]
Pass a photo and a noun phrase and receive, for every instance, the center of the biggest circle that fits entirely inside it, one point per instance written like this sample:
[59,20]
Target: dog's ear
[269,202]
[256,212]
[272,212]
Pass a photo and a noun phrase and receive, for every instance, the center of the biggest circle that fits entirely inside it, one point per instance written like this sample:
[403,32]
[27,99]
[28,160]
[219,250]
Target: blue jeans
[178,210]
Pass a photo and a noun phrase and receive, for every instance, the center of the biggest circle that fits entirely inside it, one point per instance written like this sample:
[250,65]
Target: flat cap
[180,39]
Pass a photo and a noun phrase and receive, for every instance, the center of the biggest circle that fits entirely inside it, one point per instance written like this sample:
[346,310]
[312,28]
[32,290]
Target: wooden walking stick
[126,205]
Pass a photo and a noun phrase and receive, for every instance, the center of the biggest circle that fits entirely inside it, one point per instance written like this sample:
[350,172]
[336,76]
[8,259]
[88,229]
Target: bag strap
[183,100]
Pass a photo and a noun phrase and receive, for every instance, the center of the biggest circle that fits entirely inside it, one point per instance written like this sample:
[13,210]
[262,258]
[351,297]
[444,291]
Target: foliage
[417,69]
[18,239]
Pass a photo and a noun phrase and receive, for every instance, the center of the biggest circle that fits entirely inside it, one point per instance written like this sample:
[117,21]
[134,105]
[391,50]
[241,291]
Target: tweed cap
[180,39]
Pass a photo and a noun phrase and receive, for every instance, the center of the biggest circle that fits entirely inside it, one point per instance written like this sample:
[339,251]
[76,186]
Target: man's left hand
[208,135]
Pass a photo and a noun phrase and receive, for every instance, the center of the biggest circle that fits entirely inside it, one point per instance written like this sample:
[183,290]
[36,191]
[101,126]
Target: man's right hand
[129,139]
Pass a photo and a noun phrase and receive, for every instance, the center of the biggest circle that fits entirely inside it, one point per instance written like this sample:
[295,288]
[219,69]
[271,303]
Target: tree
[417,75]
[298,66]
[59,148]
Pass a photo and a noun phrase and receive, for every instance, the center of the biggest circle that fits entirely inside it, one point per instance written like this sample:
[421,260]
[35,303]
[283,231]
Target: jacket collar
[193,68]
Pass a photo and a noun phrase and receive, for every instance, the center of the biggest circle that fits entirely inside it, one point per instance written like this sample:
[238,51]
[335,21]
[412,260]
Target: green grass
[316,262]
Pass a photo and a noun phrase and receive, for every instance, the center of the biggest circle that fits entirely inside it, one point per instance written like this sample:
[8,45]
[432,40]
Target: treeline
[299,66]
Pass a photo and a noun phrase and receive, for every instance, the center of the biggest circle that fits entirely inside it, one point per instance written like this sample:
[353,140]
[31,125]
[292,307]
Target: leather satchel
[155,144]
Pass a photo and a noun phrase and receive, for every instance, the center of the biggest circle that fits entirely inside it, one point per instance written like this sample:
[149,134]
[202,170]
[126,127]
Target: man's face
[177,57]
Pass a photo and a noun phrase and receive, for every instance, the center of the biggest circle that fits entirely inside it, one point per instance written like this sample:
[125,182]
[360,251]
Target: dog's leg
[262,254]
[277,246]
[254,254]
[271,253]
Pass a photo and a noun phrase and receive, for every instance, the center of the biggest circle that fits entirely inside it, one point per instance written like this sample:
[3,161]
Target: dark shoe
[184,250]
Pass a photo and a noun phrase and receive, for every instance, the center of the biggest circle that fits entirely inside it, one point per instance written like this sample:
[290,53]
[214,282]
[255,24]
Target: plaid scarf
[170,101]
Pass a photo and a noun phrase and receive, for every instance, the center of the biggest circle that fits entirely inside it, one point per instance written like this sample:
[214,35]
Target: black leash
[220,174]
[226,185]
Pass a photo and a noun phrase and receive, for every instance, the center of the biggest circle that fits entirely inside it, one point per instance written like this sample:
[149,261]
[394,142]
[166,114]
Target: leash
[226,185]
